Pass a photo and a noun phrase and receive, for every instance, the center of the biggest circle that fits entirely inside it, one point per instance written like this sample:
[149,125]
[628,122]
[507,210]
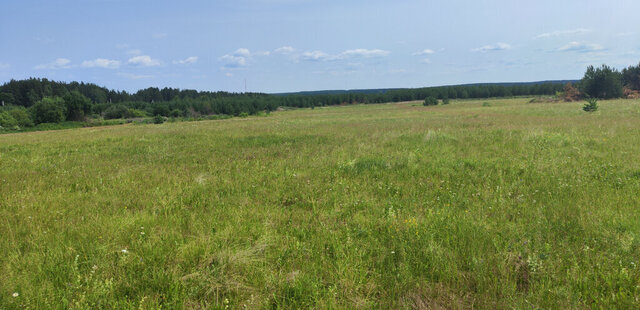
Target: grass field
[502,205]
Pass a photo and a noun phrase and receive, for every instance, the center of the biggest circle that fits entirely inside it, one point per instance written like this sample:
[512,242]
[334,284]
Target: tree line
[34,101]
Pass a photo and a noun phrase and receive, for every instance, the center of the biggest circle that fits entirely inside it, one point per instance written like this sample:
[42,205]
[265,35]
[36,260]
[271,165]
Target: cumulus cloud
[242,52]
[500,46]
[232,61]
[424,52]
[143,61]
[316,56]
[240,58]
[101,63]
[284,50]
[562,33]
[59,63]
[348,54]
[361,52]
[580,47]
[186,61]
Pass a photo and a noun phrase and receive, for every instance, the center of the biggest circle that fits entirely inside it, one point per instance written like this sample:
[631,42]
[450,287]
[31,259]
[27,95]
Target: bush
[158,119]
[243,114]
[7,121]
[22,117]
[49,110]
[446,100]
[591,105]
[137,113]
[570,93]
[430,101]
[116,111]
[176,113]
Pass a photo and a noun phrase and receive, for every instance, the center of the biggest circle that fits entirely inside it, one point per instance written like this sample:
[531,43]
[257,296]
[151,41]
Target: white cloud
[284,50]
[425,61]
[348,54]
[59,63]
[101,63]
[500,46]
[186,61]
[316,56]
[135,76]
[562,33]
[143,61]
[232,61]
[424,52]
[241,58]
[580,47]
[4,65]
[361,52]
[242,52]
[160,35]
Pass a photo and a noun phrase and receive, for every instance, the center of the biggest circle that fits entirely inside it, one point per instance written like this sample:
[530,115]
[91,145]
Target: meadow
[485,204]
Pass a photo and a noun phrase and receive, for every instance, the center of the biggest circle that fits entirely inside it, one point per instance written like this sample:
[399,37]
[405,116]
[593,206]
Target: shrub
[446,100]
[7,121]
[570,93]
[430,101]
[158,119]
[137,113]
[49,110]
[176,113]
[22,117]
[243,114]
[116,111]
[486,104]
[591,105]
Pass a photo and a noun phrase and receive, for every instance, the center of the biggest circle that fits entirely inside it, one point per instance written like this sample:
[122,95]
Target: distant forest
[33,101]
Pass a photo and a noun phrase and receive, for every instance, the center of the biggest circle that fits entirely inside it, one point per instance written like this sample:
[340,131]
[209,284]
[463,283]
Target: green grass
[507,205]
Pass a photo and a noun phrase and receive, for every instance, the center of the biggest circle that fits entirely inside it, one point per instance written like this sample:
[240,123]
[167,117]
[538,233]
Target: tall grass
[511,205]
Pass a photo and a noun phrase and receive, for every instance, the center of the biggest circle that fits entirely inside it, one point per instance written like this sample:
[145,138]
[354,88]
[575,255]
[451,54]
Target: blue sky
[293,45]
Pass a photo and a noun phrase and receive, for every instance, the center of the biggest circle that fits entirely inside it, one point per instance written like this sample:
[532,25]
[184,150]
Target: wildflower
[15,294]
[393,252]
[124,251]
[142,232]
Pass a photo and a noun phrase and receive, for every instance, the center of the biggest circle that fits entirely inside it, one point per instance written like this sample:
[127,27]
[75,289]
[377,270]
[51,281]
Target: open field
[506,205]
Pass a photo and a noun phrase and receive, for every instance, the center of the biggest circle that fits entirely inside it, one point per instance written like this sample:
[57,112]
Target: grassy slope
[398,205]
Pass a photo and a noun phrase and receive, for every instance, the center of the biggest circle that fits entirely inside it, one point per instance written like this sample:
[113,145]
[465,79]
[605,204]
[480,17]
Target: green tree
[591,105]
[430,101]
[49,110]
[21,116]
[77,106]
[446,100]
[7,121]
[631,77]
[603,82]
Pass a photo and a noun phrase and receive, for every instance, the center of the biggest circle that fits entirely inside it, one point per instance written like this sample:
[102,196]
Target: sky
[297,45]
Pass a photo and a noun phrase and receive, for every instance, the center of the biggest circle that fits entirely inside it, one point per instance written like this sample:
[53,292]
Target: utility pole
[245,85]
